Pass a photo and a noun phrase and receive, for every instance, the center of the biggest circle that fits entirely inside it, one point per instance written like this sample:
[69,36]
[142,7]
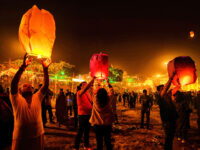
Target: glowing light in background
[192,34]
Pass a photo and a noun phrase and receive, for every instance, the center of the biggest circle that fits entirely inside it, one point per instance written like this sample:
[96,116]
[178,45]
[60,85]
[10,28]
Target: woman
[61,108]
[102,116]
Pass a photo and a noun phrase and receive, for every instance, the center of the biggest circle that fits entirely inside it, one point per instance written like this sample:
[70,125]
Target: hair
[82,83]
[78,88]
[102,97]
[159,87]
[144,91]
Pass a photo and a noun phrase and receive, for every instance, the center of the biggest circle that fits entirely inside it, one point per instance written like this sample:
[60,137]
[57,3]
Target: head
[78,88]
[61,91]
[102,97]
[83,85]
[160,88]
[145,92]
[27,89]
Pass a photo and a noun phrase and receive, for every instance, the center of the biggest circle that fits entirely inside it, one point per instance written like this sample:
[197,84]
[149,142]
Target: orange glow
[185,70]
[100,75]
[37,32]
[191,34]
[185,80]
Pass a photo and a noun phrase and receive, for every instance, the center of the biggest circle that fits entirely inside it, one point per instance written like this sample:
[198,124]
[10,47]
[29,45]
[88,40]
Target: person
[197,107]
[47,102]
[6,121]
[28,131]
[69,97]
[114,108]
[146,103]
[124,98]
[102,116]
[84,103]
[61,108]
[168,111]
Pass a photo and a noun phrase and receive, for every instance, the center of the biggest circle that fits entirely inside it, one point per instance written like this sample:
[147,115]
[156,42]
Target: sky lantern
[185,70]
[192,34]
[37,32]
[99,66]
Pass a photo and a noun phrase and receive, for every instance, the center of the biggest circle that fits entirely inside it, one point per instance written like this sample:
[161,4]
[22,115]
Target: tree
[115,74]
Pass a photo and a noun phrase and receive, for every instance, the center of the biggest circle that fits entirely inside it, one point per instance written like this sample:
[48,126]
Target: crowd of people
[23,111]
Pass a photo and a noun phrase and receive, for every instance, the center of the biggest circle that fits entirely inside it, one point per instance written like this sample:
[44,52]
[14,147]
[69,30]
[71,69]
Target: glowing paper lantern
[37,32]
[99,66]
[185,70]
[191,34]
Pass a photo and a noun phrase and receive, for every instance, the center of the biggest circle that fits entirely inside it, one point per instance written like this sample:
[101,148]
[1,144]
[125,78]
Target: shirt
[27,118]
[84,103]
[102,116]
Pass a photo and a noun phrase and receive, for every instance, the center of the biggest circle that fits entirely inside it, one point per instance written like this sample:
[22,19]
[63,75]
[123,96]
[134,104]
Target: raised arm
[45,85]
[15,81]
[111,91]
[87,87]
[167,85]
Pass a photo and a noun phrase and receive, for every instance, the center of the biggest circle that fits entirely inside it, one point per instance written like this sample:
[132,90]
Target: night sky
[139,37]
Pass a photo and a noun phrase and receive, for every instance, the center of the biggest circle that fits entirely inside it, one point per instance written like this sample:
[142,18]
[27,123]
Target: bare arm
[167,85]
[45,85]
[15,81]
[87,87]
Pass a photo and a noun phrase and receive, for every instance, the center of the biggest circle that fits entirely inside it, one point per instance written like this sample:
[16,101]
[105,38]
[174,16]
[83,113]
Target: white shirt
[27,118]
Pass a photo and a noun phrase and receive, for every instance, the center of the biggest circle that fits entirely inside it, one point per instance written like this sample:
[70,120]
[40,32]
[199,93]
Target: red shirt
[84,104]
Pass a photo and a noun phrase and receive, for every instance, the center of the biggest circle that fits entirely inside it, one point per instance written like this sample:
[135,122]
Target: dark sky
[139,37]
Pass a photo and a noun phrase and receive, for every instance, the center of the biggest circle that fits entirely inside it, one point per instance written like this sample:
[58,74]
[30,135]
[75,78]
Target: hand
[26,60]
[46,63]
[107,80]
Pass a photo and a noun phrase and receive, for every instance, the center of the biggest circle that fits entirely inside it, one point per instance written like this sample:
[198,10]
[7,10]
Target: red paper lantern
[99,66]
[37,32]
[185,70]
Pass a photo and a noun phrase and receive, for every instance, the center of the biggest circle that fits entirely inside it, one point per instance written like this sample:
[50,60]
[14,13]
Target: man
[146,104]
[168,111]
[84,104]
[6,120]
[28,131]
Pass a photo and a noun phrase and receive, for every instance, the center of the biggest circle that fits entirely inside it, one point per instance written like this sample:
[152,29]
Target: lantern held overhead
[99,66]
[185,70]
[37,32]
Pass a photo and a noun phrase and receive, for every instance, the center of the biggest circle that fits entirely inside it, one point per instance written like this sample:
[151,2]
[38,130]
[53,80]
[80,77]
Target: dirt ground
[126,135]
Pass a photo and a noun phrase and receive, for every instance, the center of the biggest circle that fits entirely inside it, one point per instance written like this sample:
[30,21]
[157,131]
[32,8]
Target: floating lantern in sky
[37,32]
[192,34]
[99,66]
[185,70]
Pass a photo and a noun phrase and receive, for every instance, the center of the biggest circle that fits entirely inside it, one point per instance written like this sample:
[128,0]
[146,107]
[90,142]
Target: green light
[62,72]
[131,80]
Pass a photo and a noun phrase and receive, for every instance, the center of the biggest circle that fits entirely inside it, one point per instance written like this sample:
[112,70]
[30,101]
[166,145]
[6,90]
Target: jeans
[103,132]
[84,127]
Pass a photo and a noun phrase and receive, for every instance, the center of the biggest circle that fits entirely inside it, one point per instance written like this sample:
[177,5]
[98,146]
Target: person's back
[84,103]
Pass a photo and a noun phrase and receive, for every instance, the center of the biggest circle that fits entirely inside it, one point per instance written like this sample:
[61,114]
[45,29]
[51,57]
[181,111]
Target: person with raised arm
[84,103]
[103,116]
[168,113]
[28,131]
